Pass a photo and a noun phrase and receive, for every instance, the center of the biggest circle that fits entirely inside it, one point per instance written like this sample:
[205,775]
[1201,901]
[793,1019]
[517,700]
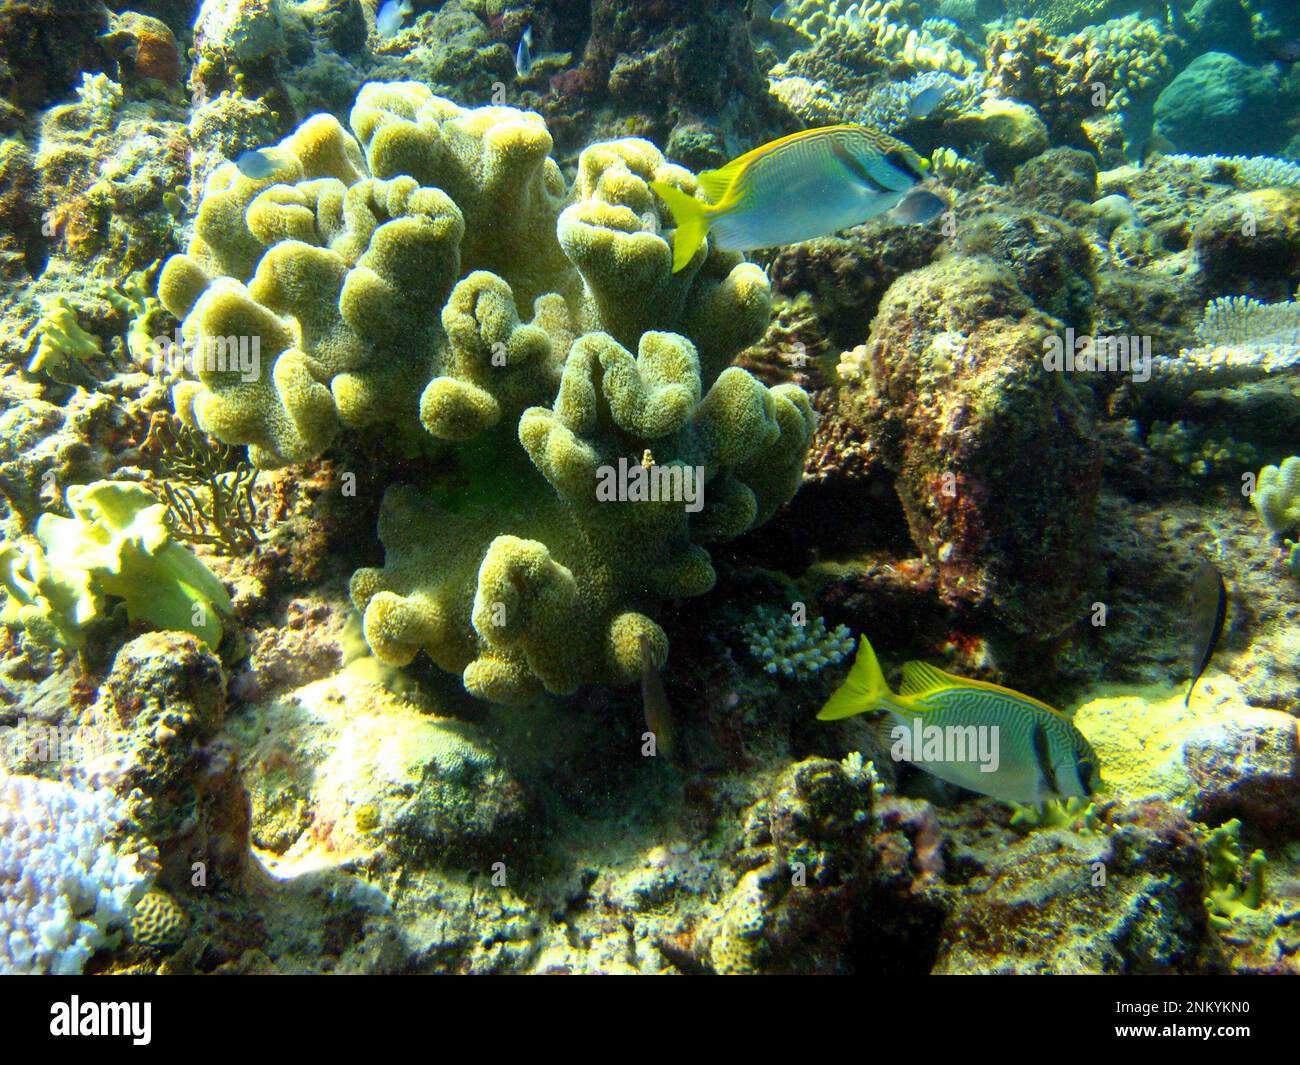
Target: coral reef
[785,914]
[1217,103]
[946,376]
[348,769]
[1237,887]
[162,707]
[62,346]
[1142,916]
[1214,759]
[525,586]
[793,649]
[273,272]
[1249,243]
[158,921]
[1239,339]
[67,888]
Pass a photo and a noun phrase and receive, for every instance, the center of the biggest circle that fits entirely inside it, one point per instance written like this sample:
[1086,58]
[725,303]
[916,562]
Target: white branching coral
[65,888]
[1245,171]
[1238,339]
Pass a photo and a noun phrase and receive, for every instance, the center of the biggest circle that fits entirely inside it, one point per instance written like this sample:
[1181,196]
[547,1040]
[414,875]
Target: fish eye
[909,164]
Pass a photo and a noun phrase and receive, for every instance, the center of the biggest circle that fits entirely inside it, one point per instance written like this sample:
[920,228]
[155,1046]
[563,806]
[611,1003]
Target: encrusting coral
[388,279]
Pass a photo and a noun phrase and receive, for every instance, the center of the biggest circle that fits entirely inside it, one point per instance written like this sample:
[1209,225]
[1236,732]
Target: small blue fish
[524,53]
[926,101]
[388,19]
[257,163]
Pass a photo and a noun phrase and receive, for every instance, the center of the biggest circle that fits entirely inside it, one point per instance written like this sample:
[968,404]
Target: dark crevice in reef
[822,514]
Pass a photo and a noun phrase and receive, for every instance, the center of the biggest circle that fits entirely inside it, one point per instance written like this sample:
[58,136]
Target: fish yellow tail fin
[862,690]
[692,225]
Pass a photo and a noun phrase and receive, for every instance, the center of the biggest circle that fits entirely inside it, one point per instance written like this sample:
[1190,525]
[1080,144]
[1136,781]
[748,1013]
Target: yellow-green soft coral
[115,544]
[1231,897]
[428,274]
[1277,497]
[63,348]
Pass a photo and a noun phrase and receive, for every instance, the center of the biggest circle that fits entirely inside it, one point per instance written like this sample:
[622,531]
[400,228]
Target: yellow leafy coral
[115,544]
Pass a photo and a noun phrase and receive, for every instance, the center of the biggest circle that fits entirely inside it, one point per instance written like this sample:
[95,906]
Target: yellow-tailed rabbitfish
[800,187]
[980,736]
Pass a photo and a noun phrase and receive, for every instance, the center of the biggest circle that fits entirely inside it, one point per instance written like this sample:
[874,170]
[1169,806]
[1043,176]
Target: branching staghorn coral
[66,889]
[427,274]
[1059,76]
[892,30]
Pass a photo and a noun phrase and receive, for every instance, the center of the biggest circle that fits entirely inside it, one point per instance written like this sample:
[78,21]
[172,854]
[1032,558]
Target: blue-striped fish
[800,187]
[980,736]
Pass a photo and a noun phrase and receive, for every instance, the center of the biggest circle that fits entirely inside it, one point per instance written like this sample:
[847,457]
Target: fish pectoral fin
[917,207]
[1047,783]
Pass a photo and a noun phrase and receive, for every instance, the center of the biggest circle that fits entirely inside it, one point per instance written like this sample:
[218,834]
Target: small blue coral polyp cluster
[430,272]
[793,650]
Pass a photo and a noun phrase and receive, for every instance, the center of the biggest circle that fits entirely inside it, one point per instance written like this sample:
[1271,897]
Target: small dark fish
[780,13]
[926,101]
[658,714]
[1207,607]
[1154,147]
[524,53]
[257,163]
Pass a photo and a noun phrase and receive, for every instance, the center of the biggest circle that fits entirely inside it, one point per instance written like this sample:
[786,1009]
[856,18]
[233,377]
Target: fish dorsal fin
[715,183]
[921,677]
